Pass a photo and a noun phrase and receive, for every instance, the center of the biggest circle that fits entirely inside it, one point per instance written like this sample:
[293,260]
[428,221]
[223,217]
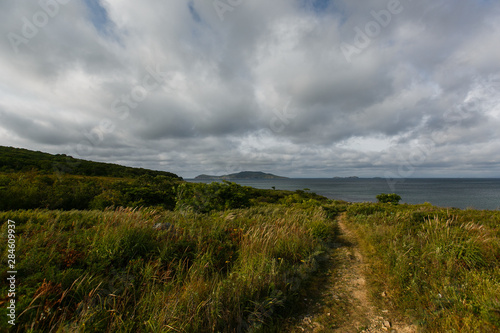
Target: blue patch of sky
[98,15]
[198,30]
[194,14]
[320,5]
[325,7]
[317,6]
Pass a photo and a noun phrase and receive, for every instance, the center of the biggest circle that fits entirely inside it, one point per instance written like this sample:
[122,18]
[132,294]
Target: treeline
[203,198]
[23,160]
[33,180]
[32,190]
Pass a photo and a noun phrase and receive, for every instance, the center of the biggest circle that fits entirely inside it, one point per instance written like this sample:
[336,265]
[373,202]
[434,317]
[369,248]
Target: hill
[242,175]
[23,160]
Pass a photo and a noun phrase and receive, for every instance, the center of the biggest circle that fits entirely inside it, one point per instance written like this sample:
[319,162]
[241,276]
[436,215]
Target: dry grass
[438,267]
[112,271]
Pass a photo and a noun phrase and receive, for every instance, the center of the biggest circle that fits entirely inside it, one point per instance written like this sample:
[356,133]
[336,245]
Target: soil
[339,299]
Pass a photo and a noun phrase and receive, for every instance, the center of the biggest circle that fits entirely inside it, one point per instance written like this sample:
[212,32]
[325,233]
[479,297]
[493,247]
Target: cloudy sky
[300,88]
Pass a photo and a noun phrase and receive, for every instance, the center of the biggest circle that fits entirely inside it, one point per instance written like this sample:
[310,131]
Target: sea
[443,192]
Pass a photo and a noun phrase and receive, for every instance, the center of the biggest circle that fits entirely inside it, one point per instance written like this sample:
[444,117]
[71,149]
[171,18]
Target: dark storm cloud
[194,88]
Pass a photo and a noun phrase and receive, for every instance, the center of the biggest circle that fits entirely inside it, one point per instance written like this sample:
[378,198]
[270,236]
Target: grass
[93,271]
[208,268]
[438,267]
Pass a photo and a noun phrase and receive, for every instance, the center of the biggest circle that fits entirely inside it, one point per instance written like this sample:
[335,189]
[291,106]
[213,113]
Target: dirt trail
[339,300]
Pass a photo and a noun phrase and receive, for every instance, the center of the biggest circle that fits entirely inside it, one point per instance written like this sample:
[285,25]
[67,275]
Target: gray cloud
[171,86]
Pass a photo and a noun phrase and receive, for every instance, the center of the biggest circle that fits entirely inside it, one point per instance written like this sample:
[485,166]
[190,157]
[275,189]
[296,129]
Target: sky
[298,88]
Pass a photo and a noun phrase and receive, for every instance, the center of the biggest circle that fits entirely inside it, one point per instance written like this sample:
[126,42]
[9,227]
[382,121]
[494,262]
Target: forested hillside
[22,160]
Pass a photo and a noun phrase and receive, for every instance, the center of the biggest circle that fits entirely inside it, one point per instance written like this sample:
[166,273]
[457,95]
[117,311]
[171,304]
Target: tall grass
[112,271]
[438,267]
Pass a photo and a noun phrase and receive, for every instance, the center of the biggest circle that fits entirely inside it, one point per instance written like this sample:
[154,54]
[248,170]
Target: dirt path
[339,300]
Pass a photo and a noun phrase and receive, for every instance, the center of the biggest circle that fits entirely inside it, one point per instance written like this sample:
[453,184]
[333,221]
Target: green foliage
[33,190]
[392,198]
[336,207]
[30,180]
[366,209]
[203,198]
[23,160]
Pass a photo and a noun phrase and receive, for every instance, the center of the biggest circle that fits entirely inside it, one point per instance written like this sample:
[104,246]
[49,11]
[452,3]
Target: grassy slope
[219,268]
[111,271]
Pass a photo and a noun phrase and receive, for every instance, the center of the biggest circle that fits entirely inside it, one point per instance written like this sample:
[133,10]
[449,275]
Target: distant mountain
[242,175]
[22,160]
[351,177]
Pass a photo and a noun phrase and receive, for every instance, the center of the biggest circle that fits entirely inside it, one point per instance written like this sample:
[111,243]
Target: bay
[443,192]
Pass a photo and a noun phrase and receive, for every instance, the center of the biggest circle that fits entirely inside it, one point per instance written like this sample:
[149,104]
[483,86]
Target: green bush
[204,198]
[33,190]
[392,198]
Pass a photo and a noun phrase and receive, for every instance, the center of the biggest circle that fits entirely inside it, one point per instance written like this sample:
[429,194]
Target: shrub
[204,198]
[392,198]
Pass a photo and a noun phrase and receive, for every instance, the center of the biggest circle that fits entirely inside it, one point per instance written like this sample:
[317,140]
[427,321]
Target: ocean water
[459,193]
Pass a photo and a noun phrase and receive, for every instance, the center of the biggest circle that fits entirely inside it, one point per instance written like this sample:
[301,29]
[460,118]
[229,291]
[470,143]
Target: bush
[392,198]
[31,190]
[204,198]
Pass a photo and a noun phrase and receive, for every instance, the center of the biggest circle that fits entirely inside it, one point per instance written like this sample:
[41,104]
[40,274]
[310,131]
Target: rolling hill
[22,160]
